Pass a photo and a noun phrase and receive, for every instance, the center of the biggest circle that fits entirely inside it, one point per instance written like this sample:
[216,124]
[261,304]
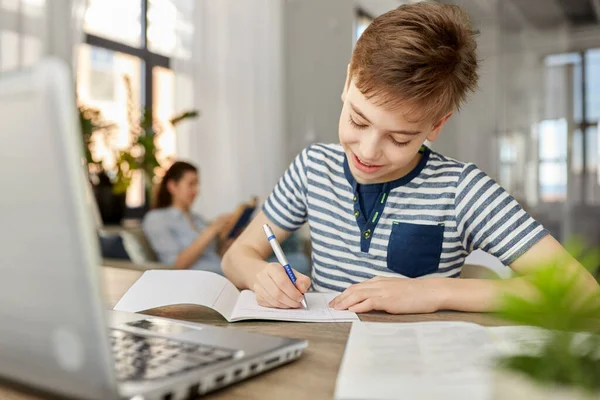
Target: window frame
[149,59]
[581,126]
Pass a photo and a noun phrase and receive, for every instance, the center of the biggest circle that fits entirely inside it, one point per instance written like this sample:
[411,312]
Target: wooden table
[313,375]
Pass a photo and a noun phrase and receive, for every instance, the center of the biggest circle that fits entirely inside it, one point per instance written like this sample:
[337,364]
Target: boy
[381,206]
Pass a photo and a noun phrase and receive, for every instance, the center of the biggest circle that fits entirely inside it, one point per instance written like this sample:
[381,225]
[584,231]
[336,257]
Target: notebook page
[445,360]
[158,288]
[318,310]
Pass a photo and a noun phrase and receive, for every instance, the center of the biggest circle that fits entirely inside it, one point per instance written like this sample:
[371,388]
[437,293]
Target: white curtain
[230,67]
[32,29]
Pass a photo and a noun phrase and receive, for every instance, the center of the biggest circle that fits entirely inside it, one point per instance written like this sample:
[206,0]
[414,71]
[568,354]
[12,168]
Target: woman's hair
[163,197]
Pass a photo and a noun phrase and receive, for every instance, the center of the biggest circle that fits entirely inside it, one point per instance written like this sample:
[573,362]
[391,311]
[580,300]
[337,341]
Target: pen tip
[304,303]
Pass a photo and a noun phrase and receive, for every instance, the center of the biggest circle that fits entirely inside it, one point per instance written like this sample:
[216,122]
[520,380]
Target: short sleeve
[490,219]
[287,206]
[161,238]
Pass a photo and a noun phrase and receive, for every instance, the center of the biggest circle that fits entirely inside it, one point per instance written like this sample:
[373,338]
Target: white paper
[512,340]
[318,310]
[427,360]
[159,288]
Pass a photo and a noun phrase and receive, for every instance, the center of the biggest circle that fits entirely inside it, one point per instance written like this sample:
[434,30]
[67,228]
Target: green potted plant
[144,130]
[111,183]
[567,363]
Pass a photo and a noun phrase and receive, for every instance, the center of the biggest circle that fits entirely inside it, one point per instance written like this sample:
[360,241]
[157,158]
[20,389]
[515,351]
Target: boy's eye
[397,143]
[356,125]
[361,126]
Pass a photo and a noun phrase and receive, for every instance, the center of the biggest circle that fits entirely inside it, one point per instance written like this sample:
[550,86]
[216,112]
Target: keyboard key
[148,358]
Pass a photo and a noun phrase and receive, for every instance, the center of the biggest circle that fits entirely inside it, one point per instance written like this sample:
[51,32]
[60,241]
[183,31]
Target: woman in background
[180,237]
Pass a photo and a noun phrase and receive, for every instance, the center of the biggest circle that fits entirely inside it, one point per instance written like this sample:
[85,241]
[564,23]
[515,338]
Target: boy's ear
[346,85]
[437,128]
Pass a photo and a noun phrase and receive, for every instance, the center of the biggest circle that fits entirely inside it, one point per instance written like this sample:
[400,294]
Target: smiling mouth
[364,166]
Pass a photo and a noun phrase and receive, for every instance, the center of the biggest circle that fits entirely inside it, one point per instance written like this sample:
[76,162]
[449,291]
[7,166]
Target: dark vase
[111,205]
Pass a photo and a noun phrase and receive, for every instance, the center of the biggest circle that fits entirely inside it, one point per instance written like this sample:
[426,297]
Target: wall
[317,49]
[235,78]
[267,76]
[377,7]
[469,134]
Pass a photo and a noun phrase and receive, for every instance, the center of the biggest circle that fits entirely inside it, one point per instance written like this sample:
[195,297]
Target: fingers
[263,298]
[352,296]
[364,306]
[274,288]
[282,289]
[302,282]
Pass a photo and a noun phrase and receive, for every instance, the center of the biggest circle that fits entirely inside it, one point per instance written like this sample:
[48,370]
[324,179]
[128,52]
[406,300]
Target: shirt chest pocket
[415,250]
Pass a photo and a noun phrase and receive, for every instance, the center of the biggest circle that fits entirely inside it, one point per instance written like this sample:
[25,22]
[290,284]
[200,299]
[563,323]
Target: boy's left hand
[392,295]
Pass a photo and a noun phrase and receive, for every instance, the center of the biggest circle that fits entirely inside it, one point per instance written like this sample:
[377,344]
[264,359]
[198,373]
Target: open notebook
[158,288]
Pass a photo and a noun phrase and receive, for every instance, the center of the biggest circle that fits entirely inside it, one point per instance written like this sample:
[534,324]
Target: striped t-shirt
[423,224]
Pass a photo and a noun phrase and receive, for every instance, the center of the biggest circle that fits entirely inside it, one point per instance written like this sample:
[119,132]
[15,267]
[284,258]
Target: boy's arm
[285,210]
[244,264]
[246,256]
[490,219]
[483,295]
[411,296]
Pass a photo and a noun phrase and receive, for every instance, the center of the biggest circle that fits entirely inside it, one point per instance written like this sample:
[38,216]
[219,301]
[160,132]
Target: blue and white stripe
[475,211]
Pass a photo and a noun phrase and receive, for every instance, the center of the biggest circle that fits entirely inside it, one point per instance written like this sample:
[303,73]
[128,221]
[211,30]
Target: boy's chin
[367,178]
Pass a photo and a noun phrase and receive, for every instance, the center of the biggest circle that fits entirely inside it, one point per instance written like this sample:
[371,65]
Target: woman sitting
[179,236]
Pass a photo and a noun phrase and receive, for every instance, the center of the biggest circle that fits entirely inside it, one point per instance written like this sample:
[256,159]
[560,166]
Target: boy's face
[381,145]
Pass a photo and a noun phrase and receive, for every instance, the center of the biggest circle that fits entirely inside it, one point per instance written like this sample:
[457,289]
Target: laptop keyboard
[148,358]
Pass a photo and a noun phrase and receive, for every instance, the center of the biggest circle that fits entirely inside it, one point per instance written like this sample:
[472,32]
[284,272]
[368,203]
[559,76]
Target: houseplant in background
[566,363]
[144,131]
[111,182]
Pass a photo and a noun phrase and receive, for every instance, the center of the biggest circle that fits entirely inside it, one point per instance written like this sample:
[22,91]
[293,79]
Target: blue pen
[281,258]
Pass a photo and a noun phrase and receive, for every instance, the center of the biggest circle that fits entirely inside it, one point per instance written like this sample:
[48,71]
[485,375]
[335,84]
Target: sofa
[127,247]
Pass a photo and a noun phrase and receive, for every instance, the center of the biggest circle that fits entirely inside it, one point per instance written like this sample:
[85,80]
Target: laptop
[56,335]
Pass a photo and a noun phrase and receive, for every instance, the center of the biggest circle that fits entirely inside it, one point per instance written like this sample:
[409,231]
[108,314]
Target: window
[134,43]
[100,84]
[592,85]
[553,160]
[553,132]
[508,158]
[117,20]
[22,32]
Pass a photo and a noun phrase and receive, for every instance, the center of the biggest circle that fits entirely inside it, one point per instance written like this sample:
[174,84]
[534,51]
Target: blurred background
[265,78]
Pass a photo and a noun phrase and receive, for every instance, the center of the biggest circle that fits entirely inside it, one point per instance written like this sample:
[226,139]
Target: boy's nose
[369,149]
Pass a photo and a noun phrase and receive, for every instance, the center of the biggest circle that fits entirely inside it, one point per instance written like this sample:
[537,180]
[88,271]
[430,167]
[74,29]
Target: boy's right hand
[273,288]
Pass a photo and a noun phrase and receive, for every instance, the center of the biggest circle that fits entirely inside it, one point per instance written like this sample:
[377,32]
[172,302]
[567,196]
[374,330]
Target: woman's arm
[188,256]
